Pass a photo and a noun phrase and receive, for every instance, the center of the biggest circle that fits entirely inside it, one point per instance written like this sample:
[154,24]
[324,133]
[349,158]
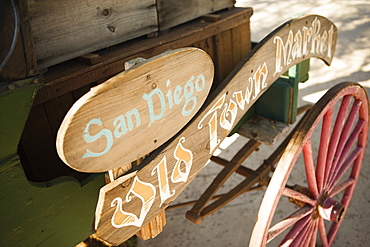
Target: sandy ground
[232,225]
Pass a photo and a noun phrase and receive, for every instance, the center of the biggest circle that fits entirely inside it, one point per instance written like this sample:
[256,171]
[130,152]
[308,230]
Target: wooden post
[154,227]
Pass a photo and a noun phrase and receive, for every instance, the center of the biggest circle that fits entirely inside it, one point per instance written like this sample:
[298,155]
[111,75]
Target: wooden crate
[54,31]
[227,41]
[173,12]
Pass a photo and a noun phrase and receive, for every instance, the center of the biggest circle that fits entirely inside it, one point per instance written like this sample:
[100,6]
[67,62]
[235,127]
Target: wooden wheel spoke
[346,130]
[338,126]
[347,148]
[303,238]
[295,231]
[312,241]
[296,195]
[310,169]
[322,233]
[289,221]
[323,148]
[342,186]
[347,164]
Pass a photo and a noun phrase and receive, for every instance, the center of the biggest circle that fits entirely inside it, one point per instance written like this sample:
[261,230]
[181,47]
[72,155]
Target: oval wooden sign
[136,111]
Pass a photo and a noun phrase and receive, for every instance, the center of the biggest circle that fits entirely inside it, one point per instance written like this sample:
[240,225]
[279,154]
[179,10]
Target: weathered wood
[123,119]
[224,64]
[211,17]
[57,213]
[89,59]
[12,62]
[38,128]
[79,78]
[263,130]
[241,45]
[28,44]
[172,13]
[154,227]
[72,75]
[65,30]
[126,209]
[15,105]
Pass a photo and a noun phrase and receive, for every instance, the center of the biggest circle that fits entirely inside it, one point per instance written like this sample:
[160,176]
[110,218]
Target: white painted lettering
[92,138]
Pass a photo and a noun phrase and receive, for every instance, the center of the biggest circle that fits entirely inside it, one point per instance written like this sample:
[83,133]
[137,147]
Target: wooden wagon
[134,137]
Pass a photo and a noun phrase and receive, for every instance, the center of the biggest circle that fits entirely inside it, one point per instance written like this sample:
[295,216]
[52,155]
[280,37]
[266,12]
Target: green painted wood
[275,103]
[58,213]
[284,93]
[15,104]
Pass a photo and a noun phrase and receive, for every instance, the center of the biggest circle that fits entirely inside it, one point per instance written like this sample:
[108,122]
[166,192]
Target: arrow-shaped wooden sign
[131,201]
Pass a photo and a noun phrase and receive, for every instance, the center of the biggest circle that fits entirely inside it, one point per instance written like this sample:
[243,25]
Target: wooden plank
[264,130]
[231,47]
[224,53]
[241,35]
[154,227]
[129,111]
[89,59]
[12,52]
[78,93]
[65,30]
[172,13]
[39,147]
[211,17]
[144,195]
[30,56]
[15,106]
[178,37]
[56,110]
[57,213]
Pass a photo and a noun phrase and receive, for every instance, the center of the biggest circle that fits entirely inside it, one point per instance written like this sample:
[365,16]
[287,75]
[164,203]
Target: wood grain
[172,12]
[11,54]
[68,29]
[71,75]
[78,78]
[135,112]
[253,76]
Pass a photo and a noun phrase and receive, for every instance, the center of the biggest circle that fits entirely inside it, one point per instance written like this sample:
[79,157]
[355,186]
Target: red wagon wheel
[331,167]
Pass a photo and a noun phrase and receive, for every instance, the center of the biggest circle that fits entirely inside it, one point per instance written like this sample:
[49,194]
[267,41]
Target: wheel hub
[329,209]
